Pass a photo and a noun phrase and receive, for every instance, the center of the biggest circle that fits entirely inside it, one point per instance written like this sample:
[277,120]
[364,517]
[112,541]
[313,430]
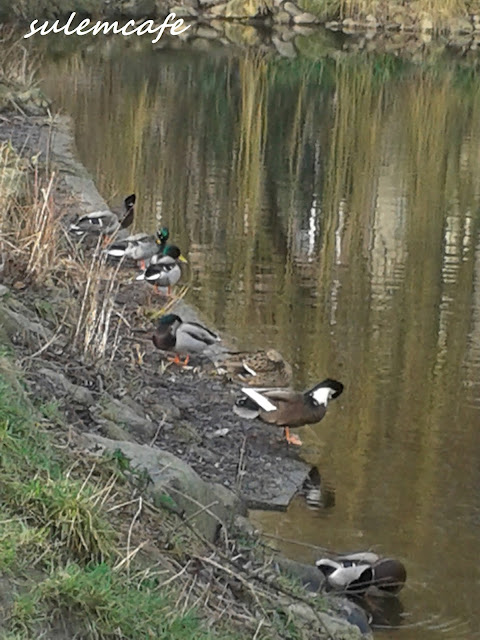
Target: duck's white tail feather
[259,399]
[116,252]
[141,276]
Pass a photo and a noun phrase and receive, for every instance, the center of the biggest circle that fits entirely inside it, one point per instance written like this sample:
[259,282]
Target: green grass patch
[58,548]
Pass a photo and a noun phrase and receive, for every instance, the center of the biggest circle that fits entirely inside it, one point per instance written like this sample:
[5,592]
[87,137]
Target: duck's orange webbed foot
[142,265]
[292,438]
[105,242]
[176,360]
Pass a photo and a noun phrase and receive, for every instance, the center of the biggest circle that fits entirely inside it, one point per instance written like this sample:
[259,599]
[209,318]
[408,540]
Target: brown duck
[259,368]
[287,408]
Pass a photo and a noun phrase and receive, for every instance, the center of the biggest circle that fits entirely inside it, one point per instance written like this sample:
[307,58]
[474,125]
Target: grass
[54,531]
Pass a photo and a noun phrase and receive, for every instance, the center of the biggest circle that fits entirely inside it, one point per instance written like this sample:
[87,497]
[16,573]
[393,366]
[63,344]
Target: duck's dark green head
[172,251]
[169,320]
[162,236]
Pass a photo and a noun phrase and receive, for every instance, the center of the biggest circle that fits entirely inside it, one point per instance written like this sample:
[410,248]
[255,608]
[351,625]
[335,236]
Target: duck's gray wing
[199,332]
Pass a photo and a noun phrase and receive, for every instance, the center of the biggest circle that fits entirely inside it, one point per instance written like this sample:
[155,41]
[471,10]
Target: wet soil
[134,392]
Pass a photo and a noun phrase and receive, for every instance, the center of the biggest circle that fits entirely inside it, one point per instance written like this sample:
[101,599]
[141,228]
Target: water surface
[329,208]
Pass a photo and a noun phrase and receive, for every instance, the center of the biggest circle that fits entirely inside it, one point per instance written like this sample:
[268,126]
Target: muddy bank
[140,395]
[175,427]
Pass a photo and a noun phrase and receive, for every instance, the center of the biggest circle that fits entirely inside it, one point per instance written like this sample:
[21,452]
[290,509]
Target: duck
[164,270]
[105,222]
[187,338]
[141,246]
[263,368]
[288,408]
[363,571]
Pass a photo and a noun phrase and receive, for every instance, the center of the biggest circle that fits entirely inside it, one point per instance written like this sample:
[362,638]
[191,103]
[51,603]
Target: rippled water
[329,208]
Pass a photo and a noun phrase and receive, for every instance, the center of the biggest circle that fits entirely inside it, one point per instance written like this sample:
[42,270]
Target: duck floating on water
[164,270]
[141,247]
[288,408]
[186,338]
[105,222]
[363,572]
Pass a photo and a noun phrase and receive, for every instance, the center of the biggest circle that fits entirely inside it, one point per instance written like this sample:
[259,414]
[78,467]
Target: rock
[3,290]
[244,525]
[303,30]
[461,25]
[173,482]
[292,9]
[349,23]
[182,11]
[218,9]
[310,620]
[426,24]
[116,432]
[282,17]
[399,19]
[130,417]
[305,18]
[206,32]
[333,25]
[311,578]
[138,9]
[74,391]
[285,49]
[15,319]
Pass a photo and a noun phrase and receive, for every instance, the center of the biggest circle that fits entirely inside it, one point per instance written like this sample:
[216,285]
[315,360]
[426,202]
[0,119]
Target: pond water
[329,207]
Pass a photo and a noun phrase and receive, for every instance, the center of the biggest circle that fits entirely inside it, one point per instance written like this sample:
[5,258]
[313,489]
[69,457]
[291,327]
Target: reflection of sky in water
[336,221]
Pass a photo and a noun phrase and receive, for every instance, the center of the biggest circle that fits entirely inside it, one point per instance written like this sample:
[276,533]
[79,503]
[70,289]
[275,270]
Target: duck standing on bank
[288,408]
[184,338]
[260,368]
[362,572]
[106,222]
[164,270]
[141,247]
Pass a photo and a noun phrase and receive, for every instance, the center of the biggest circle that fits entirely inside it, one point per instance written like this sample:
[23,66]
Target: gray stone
[3,290]
[74,391]
[426,24]
[206,506]
[133,418]
[285,49]
[461,25]
[14,317]
[292,9]
[309,619]
[206,32]
[282,17]
[182,11]
[333,25]
[305,18]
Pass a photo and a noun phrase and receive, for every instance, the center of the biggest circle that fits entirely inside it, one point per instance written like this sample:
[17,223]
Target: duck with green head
[164,269]
[141,247]
[186,338]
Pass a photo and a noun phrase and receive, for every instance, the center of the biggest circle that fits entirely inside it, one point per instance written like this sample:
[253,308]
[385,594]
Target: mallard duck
[287,408]
[105,222]
[261,368]
[140,247]
[362,572]
[164,271]
[185,338]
